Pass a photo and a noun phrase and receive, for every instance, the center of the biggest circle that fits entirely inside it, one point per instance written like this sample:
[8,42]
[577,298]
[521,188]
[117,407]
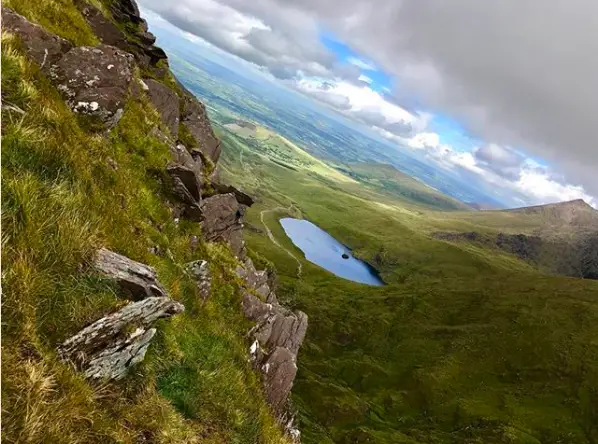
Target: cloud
[502,160]
[512,73]
[507,172]
[362,64]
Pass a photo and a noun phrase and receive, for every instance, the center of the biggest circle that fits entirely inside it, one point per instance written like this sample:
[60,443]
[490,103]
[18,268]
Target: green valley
[465,344]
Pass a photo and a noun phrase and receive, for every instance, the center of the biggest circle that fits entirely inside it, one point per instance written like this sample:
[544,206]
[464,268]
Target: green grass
[464,344]
[65,193]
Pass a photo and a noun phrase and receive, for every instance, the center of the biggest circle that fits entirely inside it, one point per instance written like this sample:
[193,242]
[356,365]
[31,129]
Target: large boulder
[137,280]
[166,101]
[107,348]
[194,117]
[43,47]
[222,220]
[95,81]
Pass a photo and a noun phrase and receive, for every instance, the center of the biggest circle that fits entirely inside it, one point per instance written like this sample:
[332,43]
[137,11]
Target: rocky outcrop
[275,341]
[135,279]
[95,81]
[222,220]
[242,197]
[43,47]
[196,121]
[166,101]
[110,346]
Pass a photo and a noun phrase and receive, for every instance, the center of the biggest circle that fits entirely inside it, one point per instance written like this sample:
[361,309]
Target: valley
[467,343]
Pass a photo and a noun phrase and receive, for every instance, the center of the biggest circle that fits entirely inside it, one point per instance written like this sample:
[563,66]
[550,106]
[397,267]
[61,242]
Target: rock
[95,81]
[279,373]
[136,279]
[186,174]
[102,27]
[196,120]
[188,179]
[276,325]
[166,101]
[257,280]
[242,198]
[140,42]
[107,348]
[222,218]
[200,271]
[43,47]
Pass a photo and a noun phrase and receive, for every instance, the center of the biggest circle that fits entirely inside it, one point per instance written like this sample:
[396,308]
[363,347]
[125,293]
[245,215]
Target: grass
[65,193]
[464,344]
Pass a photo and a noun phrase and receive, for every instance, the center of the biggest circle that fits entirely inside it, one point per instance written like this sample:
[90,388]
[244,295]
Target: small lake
[322,249]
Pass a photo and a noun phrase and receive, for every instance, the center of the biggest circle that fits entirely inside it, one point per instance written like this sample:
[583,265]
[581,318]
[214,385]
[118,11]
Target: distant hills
[561,237]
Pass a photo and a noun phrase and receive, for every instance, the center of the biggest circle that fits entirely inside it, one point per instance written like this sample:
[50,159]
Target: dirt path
[275,242]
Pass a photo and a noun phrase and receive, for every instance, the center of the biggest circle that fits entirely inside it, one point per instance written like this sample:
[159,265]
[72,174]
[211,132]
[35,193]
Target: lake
[322,249]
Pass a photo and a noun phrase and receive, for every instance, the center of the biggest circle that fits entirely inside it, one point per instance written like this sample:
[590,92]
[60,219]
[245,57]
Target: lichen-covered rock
[222,220]
[195,119]
[95,81]
[166,101]
[200,271]
[42,46]
[107,348]
[134,278]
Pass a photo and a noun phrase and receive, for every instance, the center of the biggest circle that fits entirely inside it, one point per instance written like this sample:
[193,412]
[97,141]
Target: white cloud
[362,64]
[364,78]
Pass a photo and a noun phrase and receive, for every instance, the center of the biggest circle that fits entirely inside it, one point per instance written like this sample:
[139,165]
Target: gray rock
[190,181]
[107,348]
[242,197]
[222,220]
[43,47]
[95,81]
[257,280]
[134,278]
[279,373]
[200,271]
[276,326]
[196,120]
[166,101]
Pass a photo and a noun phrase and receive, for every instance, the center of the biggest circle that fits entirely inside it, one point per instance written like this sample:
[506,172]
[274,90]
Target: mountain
[137,308]
[132,310]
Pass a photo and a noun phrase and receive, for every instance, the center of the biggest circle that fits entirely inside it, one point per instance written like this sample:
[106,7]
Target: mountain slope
[93,167]
[464,344]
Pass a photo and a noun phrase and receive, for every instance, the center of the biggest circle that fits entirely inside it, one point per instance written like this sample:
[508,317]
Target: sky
[504,93]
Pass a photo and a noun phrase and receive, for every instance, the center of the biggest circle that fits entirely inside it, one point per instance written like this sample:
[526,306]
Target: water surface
[322,249]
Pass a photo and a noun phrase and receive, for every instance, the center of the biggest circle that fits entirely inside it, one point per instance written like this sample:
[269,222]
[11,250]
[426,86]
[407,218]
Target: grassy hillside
[464,344]
[65,193]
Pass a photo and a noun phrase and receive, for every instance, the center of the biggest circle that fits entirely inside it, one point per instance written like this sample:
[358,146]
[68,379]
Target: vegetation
[66,192]
[464,345]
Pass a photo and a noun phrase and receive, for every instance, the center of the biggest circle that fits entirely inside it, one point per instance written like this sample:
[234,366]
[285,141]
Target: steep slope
[114,220]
